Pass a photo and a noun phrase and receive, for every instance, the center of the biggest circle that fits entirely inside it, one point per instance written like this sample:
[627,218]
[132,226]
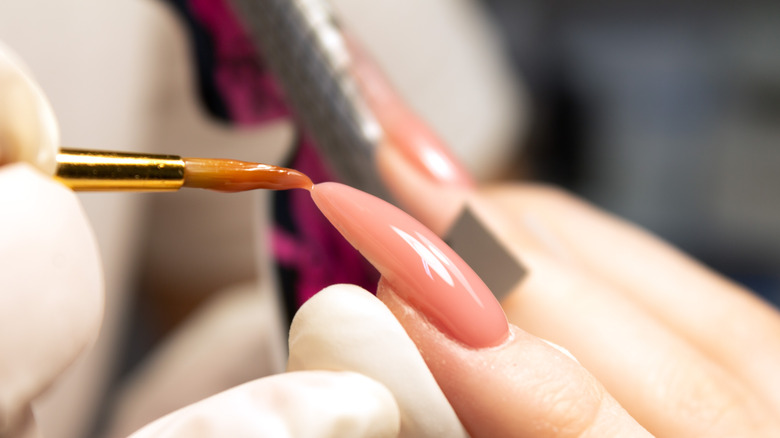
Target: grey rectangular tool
[483,251]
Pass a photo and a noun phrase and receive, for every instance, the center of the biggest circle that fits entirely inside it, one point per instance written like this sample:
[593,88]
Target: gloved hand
[51,305]
[28,129]
[51,294]
[365,378]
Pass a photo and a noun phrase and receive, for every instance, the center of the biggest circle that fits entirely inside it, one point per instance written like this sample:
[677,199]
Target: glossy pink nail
[406,132]
[419,267]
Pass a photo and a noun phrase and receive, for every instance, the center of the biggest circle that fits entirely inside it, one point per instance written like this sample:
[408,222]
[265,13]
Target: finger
[345,328]
[428,199]
[722,320]
[414,163]
[523,387]
[28,129]
[315,404]
[487,382]
[666,384]
[51,286]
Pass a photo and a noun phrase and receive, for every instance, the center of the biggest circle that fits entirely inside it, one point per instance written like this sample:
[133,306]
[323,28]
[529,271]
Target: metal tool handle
[302,43]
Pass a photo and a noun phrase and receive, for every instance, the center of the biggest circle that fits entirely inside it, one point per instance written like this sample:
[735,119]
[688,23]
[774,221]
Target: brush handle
[87,170]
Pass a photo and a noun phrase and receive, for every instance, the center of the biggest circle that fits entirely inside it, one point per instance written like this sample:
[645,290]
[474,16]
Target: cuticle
[432,322]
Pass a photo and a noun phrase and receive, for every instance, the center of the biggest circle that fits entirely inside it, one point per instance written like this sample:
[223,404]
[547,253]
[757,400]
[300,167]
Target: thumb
[345,328]
[500,380]
[28,129]
[522,387]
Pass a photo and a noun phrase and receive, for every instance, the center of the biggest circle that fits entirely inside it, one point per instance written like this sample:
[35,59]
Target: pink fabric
[249,91]
[322,257]
[317,252]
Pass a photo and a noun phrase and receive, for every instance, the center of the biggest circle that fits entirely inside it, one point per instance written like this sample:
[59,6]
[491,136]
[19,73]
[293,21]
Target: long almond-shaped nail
[405,131]
[421,268]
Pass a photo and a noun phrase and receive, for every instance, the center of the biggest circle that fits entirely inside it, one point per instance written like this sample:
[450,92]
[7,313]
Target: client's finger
[310,404]
[670,387]
[522,387]
[724,321]
[500,384]
[413,162]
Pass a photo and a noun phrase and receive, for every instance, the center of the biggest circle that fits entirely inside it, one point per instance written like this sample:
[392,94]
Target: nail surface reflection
[419,267]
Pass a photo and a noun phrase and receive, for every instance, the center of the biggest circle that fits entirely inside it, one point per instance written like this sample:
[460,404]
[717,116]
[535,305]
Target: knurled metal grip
[302,43]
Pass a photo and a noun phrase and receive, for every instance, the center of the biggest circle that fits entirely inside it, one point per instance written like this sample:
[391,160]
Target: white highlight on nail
[434,259]
[437,164]
[429,258]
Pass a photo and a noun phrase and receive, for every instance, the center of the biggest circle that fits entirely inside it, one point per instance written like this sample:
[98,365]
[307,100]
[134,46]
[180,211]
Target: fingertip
[523,387]
[344,327]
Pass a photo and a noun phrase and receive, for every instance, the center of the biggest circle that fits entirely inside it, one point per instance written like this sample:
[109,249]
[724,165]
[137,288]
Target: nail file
[302,43]
[485,253]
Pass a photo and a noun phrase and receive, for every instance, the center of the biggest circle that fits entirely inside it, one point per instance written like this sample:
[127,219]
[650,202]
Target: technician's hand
[51,305]
[354,372]
[314,404]
[683,350]
[51,287]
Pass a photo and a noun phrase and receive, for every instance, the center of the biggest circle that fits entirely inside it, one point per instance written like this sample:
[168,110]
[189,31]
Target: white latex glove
[344,327]
[314,404]
[228,342]
[354,372]
[51,288]
[28,128]
[51,305]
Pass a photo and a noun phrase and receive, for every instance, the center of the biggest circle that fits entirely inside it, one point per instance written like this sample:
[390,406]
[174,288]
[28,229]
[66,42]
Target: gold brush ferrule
[117,171]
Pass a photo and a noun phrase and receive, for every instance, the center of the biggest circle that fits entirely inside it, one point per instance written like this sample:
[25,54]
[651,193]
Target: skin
[506,392]
[683,350]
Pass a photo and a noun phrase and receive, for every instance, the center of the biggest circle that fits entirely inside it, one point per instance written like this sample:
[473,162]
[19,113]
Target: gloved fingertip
[28,126]
[345,327]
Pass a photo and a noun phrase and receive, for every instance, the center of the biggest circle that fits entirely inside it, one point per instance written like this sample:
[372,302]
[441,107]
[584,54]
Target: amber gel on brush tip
[416,264]
[94,170]
[237,176]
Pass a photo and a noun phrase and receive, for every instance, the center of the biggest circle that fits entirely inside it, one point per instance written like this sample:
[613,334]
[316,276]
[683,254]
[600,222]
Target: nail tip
[423,269]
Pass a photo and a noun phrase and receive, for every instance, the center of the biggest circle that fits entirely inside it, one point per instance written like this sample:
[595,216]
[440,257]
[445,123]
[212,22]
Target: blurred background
[665,113]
